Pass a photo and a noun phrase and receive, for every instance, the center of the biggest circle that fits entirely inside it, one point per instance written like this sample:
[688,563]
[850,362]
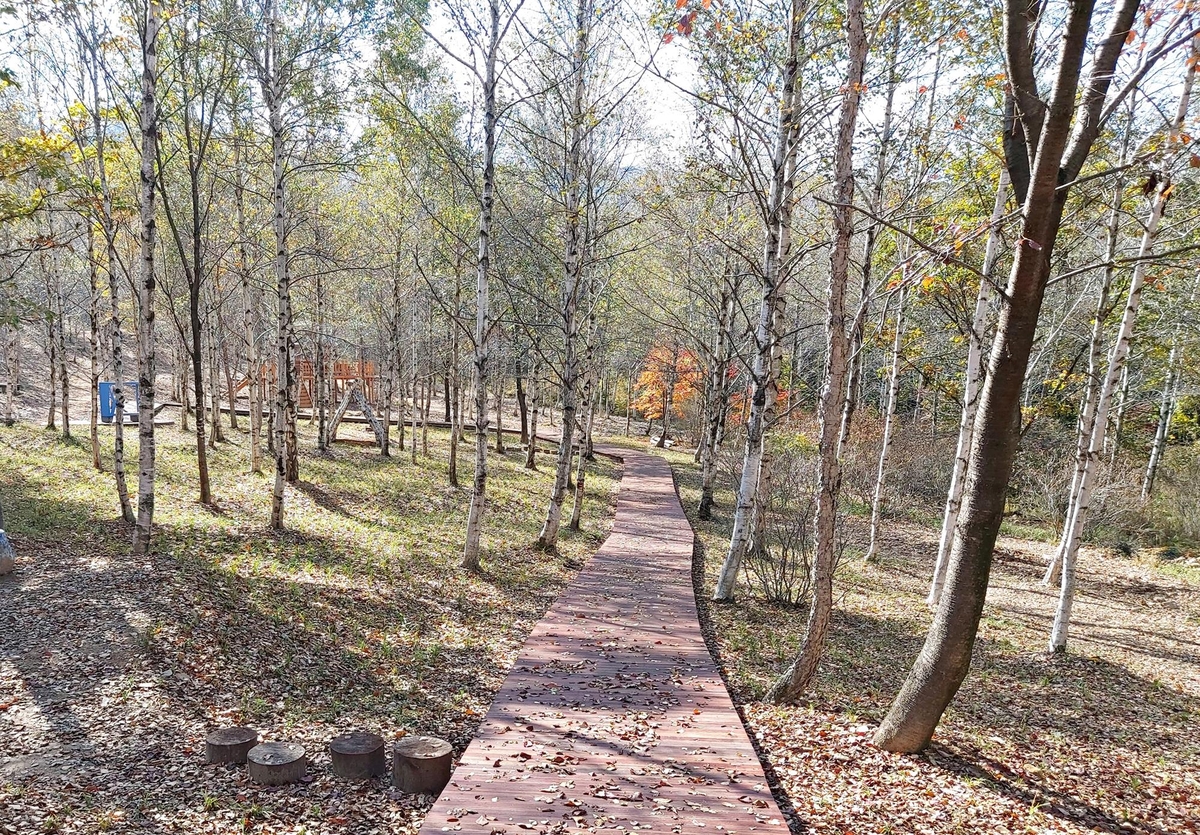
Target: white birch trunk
[972,380]
[888,428]
[483,321]
[1166,408]
[717,392]
[147,366]
[283,414]
[251,303]
[770,314]
[1165,411]
[12,369]
[573,266]
[858,330]
[1116,366]
[1087,409]
[215,432]
[93,344]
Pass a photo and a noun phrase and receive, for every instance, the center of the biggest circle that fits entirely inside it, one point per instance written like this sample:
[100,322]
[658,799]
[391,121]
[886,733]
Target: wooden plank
[615,718]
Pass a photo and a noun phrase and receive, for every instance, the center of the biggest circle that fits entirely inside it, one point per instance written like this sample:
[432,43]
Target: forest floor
[1103,739]
[113,668]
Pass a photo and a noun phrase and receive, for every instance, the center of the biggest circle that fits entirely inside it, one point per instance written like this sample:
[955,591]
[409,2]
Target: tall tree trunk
[1044,136]
[1087,409]
[283,415]
[522,405]
[321,371]
[1166,409]
[499,407]
[573,268]
[587,401]
[185,407]
[109,227]
[765,373]
[580,478]
[51,337]
[534,392]
[483,318]
[718,388]
[889,428]
[216,434]
[227,366]
[1097,434]
[428,387]
[64,375]
[453,402]
[416,385]
[858,329]
[147,366]
[93,345]
[12,368]
[251,303]
[1116,366]
[971,381]
[196,354]
[829,477]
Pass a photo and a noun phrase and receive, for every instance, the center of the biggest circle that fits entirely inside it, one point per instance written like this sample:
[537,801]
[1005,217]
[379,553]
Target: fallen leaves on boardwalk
[1102,740]
[112,669]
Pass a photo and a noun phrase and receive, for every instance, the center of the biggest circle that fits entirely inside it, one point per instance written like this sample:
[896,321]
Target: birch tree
[1046,148]
[1069,548]
[971,384]
[833,393]
[291,52]
[147,360]
[889,420]
[574,257]
[774,274]
[200,81]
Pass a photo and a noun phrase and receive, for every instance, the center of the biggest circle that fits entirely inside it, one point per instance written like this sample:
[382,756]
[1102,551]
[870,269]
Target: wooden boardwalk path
[615,718]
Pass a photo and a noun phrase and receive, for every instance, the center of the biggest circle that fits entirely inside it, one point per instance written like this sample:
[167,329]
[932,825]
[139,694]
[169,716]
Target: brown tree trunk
[796,680]
[946,655]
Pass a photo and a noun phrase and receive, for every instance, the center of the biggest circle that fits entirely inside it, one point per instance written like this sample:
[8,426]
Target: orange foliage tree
[671,376]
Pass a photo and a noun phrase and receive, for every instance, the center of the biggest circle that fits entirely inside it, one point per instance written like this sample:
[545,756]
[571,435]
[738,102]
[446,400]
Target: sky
[668,110]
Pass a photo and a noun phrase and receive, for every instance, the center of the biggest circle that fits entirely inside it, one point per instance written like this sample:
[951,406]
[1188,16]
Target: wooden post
[277,763]
[357,755]
[229,745]
[421,764]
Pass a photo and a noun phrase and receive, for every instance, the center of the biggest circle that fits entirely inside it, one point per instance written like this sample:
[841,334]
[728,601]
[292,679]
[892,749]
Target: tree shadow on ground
[1098,744]
[302,634]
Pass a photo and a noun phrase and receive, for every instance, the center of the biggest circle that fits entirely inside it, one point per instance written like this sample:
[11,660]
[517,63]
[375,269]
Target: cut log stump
[421,764]
[229,745]
[277,763]
[8,559]
[358,755]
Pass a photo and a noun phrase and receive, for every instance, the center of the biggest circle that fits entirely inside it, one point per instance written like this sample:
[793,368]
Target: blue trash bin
[108,403]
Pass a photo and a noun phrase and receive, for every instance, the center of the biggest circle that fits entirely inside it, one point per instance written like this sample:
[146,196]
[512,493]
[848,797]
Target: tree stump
[358,755]
[229,745]
[421,764]
[8,559]
[277,763]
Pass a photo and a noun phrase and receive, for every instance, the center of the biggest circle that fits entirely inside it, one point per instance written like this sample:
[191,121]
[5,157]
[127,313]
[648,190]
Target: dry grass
[1103,739]
[112,669]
